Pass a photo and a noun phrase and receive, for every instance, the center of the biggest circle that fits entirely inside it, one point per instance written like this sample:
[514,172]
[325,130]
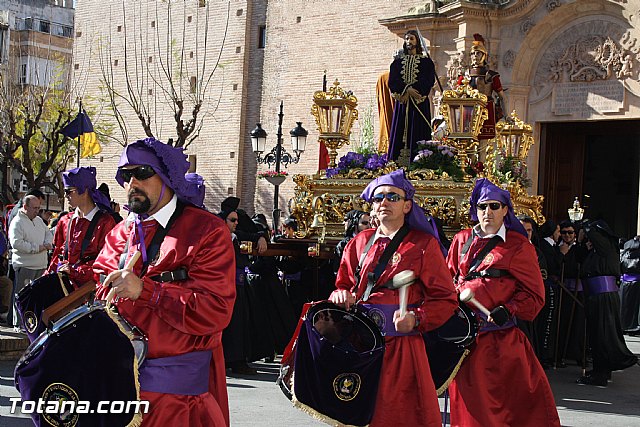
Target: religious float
[443,173]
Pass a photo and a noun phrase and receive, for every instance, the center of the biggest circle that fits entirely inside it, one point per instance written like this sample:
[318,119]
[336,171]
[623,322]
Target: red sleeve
[440,296]
[58,243]
[350,260]
[528,297]
[82,271]
[496,84]
[202,304]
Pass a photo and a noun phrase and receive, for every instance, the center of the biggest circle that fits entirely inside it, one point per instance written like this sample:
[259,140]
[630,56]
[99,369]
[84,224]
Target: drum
[83,359]
[331,368]
[448,346]
[34,298]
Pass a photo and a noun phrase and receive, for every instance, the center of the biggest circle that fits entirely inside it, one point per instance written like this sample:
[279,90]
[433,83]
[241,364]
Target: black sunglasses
[139,172]
[232,219]
[567,232]
[364,222]
[494,206]
[392,197]
[68,191]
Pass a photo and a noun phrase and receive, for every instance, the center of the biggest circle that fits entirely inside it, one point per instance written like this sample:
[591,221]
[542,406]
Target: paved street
[257,401]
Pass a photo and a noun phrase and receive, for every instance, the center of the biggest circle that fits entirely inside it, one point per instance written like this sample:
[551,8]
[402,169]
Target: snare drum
[83,357]
[337,359]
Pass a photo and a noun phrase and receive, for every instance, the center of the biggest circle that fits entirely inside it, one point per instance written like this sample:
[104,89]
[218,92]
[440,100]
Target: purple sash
[486,326]
[382,315]
[186,374]
[573,284]
[600,284]
[630,277]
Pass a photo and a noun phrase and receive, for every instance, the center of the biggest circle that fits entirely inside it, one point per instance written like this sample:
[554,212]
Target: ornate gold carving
[334,111]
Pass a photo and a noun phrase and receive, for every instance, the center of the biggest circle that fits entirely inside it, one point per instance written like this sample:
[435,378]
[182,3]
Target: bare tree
[157,72]
[35,105]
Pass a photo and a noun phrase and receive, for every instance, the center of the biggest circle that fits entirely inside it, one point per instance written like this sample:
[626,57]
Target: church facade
[570,68]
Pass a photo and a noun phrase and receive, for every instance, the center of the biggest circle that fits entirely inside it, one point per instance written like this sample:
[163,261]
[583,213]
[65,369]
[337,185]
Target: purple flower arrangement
[437,156]
[353,160]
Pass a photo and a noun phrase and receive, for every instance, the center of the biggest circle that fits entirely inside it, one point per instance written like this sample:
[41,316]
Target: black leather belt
[171,276]
[489,272]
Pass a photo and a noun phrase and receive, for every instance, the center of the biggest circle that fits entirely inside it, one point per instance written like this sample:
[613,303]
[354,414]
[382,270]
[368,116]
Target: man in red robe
[406,392]
[81,233]
[501,383]
[181,292]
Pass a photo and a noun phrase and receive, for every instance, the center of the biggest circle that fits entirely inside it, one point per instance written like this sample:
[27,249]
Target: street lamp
[576,213]
[278,155]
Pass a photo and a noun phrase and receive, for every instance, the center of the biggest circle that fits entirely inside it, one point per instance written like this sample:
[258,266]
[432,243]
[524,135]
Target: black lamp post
[278,155]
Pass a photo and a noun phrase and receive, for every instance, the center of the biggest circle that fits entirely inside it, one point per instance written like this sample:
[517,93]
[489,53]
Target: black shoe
[243,369]
[590,374]
[598,380]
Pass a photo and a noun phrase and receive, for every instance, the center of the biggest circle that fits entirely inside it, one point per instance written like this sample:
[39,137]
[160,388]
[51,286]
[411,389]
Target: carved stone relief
[588,52]
[456,66]
[509,59]
[552,4]
[526,25]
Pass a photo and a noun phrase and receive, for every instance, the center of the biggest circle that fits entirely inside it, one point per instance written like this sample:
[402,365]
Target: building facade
[36,47]
[570,67]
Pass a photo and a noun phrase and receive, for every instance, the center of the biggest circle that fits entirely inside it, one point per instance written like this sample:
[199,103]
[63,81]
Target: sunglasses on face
[364,222]
[569,232]
[494,206]
[140,173]
[234,220]
[392,197]
[68,191]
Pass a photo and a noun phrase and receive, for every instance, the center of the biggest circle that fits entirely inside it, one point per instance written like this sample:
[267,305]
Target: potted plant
[275,178]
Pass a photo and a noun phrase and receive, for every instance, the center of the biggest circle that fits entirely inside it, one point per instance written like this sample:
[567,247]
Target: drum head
[337,365]
[85,358]
[348,330]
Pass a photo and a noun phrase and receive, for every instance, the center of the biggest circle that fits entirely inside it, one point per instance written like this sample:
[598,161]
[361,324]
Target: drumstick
[401,282]
[468,296]
[130,264]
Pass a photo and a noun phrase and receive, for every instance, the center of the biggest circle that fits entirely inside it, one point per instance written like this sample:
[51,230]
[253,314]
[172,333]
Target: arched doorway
[598,161]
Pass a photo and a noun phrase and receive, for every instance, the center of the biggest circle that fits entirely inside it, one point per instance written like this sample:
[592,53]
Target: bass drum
[332,365]
[448,346]
[84,357]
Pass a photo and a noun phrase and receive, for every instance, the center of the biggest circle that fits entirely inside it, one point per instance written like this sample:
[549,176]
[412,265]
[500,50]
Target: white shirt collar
[551,241]
[163,215]
[379,234]
[502,233]
[89,216]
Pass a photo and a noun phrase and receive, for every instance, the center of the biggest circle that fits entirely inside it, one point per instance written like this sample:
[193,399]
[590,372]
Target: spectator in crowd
[30,240]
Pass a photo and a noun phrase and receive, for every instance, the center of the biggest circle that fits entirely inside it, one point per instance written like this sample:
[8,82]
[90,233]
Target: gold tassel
[315,414]
[453,374]
[137,418]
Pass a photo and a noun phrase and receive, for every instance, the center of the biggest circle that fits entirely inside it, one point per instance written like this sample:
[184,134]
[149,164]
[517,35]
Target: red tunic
[81,271]
[502,383]
[183,316]
[406,394]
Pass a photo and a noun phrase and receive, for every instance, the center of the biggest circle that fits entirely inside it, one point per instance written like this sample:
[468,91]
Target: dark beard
[139,206]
